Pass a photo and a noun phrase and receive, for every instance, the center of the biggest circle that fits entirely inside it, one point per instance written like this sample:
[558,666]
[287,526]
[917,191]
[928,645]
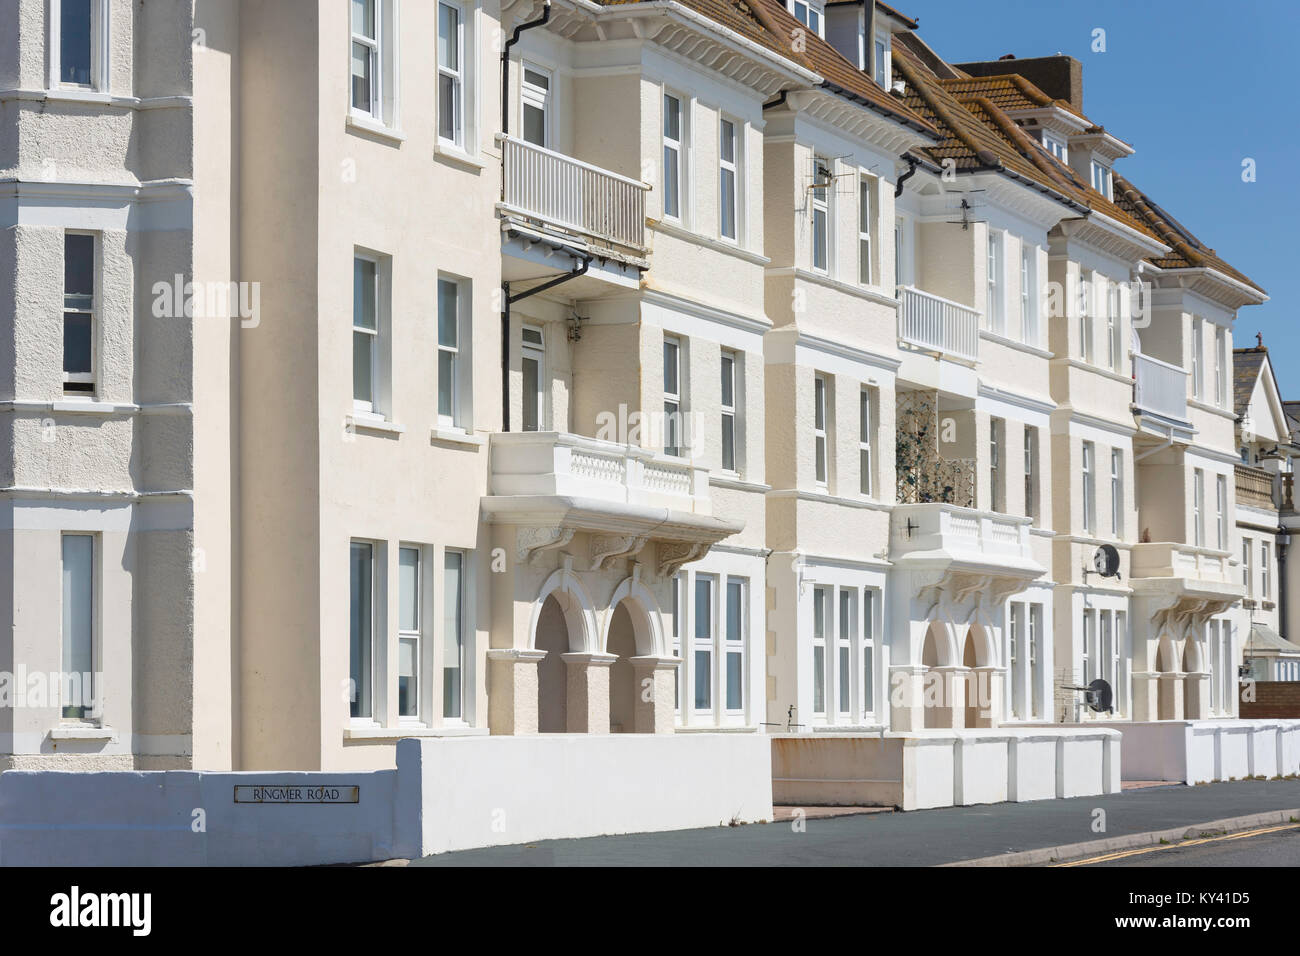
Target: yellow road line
[1106,857]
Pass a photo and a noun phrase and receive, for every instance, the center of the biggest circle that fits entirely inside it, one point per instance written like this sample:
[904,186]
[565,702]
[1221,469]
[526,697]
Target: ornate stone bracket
[964,597]
[608,547]
[1183,616]
[672,555]
[534,542]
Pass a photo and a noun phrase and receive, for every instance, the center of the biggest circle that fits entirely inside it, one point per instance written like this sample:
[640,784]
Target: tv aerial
[1098,696]
[1105,561]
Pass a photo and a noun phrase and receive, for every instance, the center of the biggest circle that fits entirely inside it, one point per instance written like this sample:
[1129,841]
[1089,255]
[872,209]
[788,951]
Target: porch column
[655,680]
[985,690]
[1196,693]
[907,697]
[1171,696]
[950,708]
[587,676]
[512,690]
[1146,697]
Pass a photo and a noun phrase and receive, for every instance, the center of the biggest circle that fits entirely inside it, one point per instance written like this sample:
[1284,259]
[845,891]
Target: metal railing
[1159,387]
[932,322]
[578,197]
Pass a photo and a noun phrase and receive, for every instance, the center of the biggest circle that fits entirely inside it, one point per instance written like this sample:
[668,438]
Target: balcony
[953,529]
[1255,488]
[565,465]
[1170,559]
[936,324]
[560,193]
[1159,389]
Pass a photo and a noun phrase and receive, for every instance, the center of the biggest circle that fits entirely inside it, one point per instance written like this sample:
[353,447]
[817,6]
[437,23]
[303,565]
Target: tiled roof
[1264,638]
[1009,92]
[1187,251]
[1292,410]
[769,24]
[1246,364]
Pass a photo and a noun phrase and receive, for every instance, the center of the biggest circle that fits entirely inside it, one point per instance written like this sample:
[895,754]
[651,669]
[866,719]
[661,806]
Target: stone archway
[1169,698]
[983,679]
[632,640]
[1195,683]
[563,628]
[622,676]
[944,690]
[552,636]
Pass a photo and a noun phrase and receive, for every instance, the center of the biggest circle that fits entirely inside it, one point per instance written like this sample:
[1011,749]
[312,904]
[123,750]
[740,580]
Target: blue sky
[1195,87]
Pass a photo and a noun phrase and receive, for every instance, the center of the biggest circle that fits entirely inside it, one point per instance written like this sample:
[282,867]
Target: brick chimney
[1060,76]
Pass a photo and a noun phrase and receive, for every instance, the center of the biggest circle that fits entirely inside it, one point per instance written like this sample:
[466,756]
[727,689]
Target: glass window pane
[728,141]
[670,368]
[703,608]
[361,78]
[448,104]
[79,269]
[672,118]
[844,679]
[408,700]
[728,443]
[530,396]
[448,312]
[703,680]
[76,343]
[446,383]
[735,695]
[78,623]
[363,294]
[868,682]
[728,381]
[448,37]
[74,41]
[819,239]
[363,18]
[735,610]
[728,187]
[363,386]
[534,125]
[362,618]
[453,639]
[408,590]
[819,679]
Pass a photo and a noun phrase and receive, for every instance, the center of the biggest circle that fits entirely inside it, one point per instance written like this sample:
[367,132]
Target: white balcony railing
[1159,387]
[940,324]
[943,528]
[558,190]
[559,463]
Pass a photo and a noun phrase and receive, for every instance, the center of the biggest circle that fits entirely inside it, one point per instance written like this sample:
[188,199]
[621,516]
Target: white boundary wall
[943,768]
[1203,751]
[446,794]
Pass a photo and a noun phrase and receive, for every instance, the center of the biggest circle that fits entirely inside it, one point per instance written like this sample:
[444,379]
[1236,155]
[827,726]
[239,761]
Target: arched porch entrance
[633,641]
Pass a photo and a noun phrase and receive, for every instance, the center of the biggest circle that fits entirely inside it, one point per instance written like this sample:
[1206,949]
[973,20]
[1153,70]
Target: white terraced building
[689,369]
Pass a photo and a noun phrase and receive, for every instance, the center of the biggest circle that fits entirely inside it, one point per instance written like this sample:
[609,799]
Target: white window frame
[1086,330]
[996,306]
[882,59]
[1031,472]
[411,635]
[1117,492]
[1035,642]
[1221,511]
[461,102]
[811,14]
[868,660]
[1089,645]
[384,73]
[460,415]
[1220,366]
[1087,472]
[72,677]
[1016,650]
[704,644]
[673,158]
[1113,354]
[678,585]
[732,166]
[1028,296]
[820,203]
[846,631]
[74,383]
[1248,579]
[823,600]
[1264,584]
[532,351]
[455,635]
[538,98]
[1056,146]
[1198,507]
[997,492]
[368,707]
[374,404]
[100,48]
[1198,355]
[866,424]
[737,648]
[821,431]
[1100,175]
[866,205]
[730,411]
[673,440]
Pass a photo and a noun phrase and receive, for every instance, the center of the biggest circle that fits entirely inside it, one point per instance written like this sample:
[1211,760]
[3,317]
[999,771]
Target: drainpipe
[1283,539]
[505,65]
[508,300]
[912,163]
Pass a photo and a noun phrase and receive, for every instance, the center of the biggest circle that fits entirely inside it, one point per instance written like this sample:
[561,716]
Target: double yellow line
[1106,857]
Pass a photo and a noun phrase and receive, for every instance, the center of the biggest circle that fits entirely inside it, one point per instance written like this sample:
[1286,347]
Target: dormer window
[1056,146]
[1101,180]
[881,68]
[809,14]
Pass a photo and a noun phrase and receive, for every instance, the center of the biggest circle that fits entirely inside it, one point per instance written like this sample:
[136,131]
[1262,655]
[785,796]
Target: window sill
[83,732]
[89,406]
[359,421]
[456,156]
[372,127]
[397,733]
[78,95]
[456,436]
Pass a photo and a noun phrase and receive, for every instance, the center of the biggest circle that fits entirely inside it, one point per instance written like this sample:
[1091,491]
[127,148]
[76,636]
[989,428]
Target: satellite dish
[1106,561]
[1099,696]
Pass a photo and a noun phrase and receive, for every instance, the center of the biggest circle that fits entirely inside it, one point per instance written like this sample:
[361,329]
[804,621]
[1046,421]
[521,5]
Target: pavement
[916,838]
